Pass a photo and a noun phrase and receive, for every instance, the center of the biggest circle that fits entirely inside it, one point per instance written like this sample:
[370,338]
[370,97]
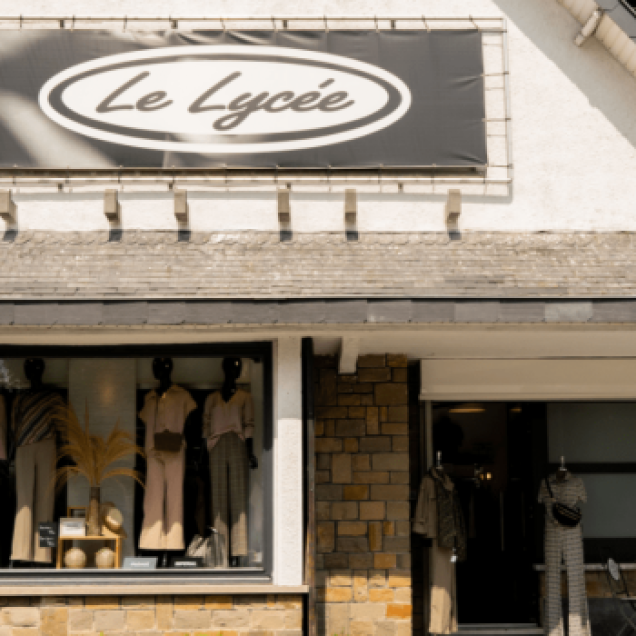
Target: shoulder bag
[566,516]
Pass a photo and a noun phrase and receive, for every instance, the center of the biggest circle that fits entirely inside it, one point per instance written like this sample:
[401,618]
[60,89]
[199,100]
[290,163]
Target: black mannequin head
[162,370]
[34,370]
[232,368]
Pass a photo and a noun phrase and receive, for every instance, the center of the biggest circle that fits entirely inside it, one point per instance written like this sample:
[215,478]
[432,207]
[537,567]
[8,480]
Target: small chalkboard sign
[48,535]
[186,563]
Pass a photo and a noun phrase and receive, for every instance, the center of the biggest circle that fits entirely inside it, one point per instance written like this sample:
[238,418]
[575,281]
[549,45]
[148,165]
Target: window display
[112,461]
[229,430]
[564,544]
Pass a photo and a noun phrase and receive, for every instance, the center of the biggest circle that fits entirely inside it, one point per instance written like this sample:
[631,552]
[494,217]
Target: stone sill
[126,589]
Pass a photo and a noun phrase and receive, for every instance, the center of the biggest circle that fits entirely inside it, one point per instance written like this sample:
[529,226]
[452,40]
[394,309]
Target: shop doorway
[495,452]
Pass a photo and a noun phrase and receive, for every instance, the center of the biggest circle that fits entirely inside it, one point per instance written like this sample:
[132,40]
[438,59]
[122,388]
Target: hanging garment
[162,527]
[564,544]
[228,474]
[32,417]
[32,441]
[166,413]
[234,416]
[35,472]
[451,530]
[438,516]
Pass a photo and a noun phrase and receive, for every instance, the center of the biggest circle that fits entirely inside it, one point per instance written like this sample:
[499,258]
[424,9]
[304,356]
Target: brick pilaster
[362,494]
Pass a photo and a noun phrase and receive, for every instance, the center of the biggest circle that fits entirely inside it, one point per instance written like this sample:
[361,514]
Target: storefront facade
[318,326]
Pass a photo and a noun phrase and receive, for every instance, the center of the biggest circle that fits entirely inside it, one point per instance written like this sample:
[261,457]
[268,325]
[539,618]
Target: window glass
[174,445]
[610,511]
[589,432]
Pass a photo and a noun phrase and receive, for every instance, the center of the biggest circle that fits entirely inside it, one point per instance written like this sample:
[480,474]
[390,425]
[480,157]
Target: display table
[106,536]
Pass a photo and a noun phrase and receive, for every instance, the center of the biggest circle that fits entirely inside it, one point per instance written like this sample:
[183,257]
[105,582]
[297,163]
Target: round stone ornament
[105,559]
[75,559]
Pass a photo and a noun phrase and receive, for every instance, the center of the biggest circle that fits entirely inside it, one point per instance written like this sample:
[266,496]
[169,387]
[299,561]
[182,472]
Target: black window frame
[258,350]
[630,5]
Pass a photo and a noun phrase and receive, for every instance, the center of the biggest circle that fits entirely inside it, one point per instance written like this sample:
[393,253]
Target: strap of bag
[547,483]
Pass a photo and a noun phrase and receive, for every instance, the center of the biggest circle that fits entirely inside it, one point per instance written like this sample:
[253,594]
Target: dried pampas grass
[93,456]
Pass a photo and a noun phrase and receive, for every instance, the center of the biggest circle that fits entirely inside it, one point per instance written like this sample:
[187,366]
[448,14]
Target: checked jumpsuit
[227,425]
[565,544]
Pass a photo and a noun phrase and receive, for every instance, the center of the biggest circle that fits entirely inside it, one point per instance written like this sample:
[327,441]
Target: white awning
[562,379]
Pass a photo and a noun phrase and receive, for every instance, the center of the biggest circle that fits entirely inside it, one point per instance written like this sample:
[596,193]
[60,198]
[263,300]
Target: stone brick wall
[274,615]
[362,498]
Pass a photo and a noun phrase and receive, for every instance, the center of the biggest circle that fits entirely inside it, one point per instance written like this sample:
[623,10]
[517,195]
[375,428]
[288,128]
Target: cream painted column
[288,464]
[108,387]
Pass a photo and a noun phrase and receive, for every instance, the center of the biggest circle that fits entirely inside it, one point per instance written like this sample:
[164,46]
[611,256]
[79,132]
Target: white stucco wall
[288,464]
[573,137]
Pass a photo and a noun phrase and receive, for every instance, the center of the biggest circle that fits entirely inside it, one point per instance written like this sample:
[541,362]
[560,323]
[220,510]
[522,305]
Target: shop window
[610,511]
[592,432]
[159,460]
[597,441]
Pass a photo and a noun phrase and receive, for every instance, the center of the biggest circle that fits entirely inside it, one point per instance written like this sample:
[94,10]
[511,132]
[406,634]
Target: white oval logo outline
[251,52]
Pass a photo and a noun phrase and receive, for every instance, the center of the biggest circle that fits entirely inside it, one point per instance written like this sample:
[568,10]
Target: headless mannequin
[562,471]
[232,368]
[162,370]
[34,372]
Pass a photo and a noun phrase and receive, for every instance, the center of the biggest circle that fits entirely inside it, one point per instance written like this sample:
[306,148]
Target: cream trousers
[443,606]
[162,528]
[35,471]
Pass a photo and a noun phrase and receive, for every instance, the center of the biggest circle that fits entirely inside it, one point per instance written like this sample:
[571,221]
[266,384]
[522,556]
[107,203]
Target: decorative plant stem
[93,458]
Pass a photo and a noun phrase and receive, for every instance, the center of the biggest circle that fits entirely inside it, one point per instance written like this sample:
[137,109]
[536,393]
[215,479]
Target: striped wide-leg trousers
[228,474]
[565,544]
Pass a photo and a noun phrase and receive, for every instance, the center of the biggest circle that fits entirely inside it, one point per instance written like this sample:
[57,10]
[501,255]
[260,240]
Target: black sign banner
[48,534]
[250,99]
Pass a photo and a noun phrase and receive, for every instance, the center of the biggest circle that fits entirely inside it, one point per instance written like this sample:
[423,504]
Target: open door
[490,450]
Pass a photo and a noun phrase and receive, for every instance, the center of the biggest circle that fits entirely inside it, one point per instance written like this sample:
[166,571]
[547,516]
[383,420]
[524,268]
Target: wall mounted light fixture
[468,407]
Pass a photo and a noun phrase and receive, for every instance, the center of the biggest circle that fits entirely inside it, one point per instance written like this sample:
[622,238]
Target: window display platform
[105,539]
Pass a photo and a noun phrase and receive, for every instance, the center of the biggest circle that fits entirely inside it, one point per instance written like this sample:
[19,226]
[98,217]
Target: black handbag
[566,516]
[168,442]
